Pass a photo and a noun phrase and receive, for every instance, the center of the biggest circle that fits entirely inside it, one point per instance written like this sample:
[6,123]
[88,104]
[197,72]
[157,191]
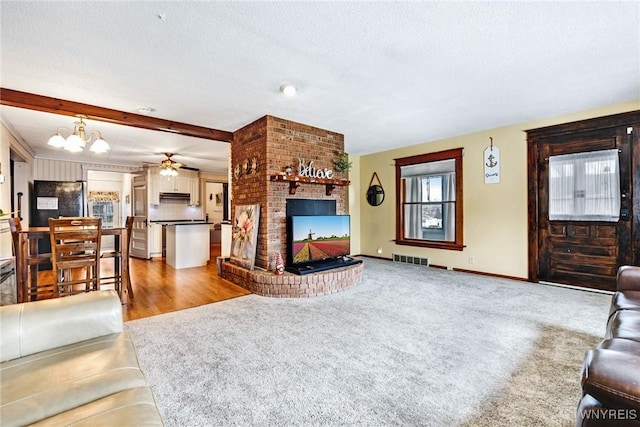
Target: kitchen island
[187,243]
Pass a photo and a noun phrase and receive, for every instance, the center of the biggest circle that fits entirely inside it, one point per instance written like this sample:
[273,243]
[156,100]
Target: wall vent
[407,259]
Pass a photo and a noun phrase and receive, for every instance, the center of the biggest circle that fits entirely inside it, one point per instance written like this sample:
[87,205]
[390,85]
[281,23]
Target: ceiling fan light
[99,146]
[57,141]
[168,171]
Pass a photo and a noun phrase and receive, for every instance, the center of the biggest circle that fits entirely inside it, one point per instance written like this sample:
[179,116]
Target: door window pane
[585,186]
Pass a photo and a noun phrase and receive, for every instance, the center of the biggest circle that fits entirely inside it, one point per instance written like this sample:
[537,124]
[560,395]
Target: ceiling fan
[169,164]
[169,167]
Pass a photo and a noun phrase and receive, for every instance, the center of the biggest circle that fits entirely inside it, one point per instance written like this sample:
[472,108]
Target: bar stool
[75,254]
[116,280]
[37,290]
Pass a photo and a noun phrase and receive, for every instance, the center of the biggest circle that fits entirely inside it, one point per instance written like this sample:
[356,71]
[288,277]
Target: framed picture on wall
[245,236]
[219,199]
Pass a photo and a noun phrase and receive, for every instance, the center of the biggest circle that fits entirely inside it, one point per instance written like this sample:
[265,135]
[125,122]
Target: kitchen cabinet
[194,191]
[154,189]
[182,184]
[173,184]
[186,182]
[155,239]
[164,183]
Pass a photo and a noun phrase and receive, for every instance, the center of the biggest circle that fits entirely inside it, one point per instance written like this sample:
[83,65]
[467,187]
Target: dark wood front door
[583,252]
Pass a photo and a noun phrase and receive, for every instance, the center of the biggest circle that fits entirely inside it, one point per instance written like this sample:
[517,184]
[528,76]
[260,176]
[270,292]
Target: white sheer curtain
[585,186]
[413,213]
[449,214]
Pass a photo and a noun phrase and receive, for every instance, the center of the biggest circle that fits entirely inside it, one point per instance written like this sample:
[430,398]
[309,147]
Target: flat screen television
[318,237]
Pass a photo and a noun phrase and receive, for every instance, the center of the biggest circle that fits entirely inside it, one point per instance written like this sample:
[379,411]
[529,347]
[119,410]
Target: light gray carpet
[410,345]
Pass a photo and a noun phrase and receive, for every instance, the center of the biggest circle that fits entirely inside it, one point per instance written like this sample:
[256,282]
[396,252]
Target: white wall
[174,209]
[5,194]
[211,207]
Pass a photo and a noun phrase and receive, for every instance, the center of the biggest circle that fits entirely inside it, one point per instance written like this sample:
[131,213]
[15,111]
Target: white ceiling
[385,74]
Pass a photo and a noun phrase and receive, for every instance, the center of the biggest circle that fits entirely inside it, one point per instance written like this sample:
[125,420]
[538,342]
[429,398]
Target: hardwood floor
[159,288]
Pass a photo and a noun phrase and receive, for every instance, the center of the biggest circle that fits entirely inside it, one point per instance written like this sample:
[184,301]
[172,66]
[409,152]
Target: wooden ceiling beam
[47,104]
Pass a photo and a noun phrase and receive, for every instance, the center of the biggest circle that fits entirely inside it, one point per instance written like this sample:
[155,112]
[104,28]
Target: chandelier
[77,139]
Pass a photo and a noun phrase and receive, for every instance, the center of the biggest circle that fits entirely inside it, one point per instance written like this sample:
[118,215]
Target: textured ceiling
[385,74]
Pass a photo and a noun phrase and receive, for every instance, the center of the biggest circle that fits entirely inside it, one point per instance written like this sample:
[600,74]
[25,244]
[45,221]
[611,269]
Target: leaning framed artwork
[245,235]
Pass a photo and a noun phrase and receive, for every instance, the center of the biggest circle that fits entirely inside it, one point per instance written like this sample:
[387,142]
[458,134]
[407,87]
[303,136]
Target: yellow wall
[355,206]
[495,215]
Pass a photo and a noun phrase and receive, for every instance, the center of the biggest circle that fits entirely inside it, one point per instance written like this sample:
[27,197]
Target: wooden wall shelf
[295,181]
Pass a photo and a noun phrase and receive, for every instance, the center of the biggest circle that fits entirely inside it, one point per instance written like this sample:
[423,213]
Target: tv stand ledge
[323,265]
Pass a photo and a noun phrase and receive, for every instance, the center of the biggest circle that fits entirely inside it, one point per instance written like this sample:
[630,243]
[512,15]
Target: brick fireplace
[260,152]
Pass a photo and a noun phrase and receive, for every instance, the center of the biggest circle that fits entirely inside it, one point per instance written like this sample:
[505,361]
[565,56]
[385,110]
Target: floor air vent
[407,259]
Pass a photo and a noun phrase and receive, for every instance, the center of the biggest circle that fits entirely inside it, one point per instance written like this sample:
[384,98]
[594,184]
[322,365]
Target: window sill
[452,246]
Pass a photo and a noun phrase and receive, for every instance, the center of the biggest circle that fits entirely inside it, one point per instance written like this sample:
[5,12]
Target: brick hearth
[289,285]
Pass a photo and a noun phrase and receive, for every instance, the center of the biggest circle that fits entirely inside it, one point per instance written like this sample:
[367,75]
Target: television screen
[318,237]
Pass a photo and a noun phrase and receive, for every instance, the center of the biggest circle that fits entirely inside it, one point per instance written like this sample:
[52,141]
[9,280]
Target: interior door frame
[534,136]
[140,230]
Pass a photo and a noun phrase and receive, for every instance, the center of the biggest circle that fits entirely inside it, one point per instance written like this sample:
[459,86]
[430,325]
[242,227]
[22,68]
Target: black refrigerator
[53,199]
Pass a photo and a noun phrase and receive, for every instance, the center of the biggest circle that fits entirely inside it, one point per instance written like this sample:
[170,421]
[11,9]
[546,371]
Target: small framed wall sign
[491,164]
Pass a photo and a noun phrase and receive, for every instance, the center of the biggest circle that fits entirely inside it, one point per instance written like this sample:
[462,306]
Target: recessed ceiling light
[145,110]
[288,90]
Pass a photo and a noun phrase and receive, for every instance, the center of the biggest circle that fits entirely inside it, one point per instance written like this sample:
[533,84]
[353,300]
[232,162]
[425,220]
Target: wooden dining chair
[116,280]
[75,254]
[37,289]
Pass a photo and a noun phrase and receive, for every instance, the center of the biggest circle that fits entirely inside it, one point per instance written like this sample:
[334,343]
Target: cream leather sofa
[67,361]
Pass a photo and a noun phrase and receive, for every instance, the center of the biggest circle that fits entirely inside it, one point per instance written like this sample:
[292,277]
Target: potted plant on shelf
[342,162]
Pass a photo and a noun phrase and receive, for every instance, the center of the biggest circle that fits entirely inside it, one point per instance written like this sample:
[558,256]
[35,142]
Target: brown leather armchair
[611,371]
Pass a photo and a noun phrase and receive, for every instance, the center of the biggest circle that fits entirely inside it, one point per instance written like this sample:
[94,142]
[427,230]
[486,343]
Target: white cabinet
[174,184]
[155,239]
[154,189]
[225,240]
[186,182]
[194,192]
[159,184]
[182,184]
[167,184]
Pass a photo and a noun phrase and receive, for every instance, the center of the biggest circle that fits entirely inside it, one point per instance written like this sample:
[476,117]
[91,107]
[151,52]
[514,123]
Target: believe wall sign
[311,172]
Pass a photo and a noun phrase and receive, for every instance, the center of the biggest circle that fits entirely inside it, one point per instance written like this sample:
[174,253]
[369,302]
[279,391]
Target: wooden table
[28,245]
